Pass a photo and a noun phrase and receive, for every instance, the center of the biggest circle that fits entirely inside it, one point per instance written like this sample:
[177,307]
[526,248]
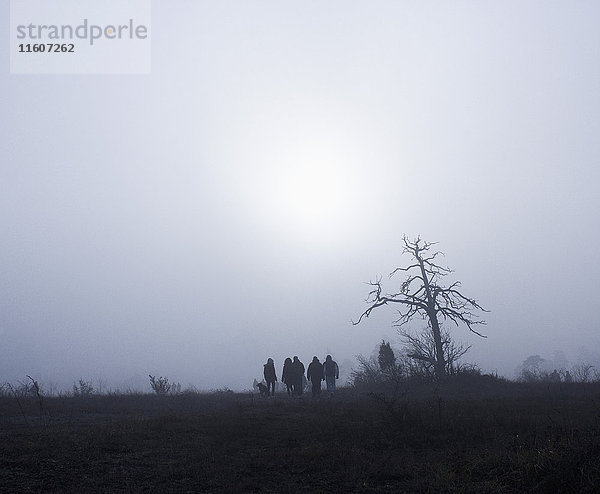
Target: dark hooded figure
[270,377]
[298,373]
[287,375]
[315,375]
[331,372]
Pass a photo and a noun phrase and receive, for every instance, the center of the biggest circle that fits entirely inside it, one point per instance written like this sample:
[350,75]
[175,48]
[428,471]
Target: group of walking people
[293,377]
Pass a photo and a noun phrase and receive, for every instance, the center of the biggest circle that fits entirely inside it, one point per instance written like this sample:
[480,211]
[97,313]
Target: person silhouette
[298,372]
[314,374]
[270,377]
[331,372]
[287,375]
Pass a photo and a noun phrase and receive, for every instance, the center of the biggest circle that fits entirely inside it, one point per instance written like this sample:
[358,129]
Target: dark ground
[485,436]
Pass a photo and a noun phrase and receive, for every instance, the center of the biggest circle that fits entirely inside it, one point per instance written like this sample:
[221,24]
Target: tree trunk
[440,363]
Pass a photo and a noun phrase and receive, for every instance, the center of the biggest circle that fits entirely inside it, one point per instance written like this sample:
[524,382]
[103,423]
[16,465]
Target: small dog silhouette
[264,391]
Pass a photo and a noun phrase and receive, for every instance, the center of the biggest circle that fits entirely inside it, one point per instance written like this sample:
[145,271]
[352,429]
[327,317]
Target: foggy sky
[230,206]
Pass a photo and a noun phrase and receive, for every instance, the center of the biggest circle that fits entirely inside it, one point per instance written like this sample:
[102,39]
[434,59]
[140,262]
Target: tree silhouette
[421,348]
[423,295]
[386,358]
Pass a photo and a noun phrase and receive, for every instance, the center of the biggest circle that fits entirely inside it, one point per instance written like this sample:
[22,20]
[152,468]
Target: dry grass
[463,437]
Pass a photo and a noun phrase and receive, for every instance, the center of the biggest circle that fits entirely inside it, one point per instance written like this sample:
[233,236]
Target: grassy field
[484,436]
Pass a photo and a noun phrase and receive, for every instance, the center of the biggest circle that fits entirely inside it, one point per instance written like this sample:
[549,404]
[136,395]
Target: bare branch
[421,357]
[408,268]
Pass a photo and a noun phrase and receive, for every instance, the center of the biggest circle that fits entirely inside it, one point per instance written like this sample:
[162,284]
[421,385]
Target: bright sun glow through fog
[313,195]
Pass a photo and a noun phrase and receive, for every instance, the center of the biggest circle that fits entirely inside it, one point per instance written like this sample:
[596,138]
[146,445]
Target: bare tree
[532,369]
[421,348]
[422,295]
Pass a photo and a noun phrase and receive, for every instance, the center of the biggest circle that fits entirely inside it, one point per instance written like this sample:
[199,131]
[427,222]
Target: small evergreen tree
[387,359]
